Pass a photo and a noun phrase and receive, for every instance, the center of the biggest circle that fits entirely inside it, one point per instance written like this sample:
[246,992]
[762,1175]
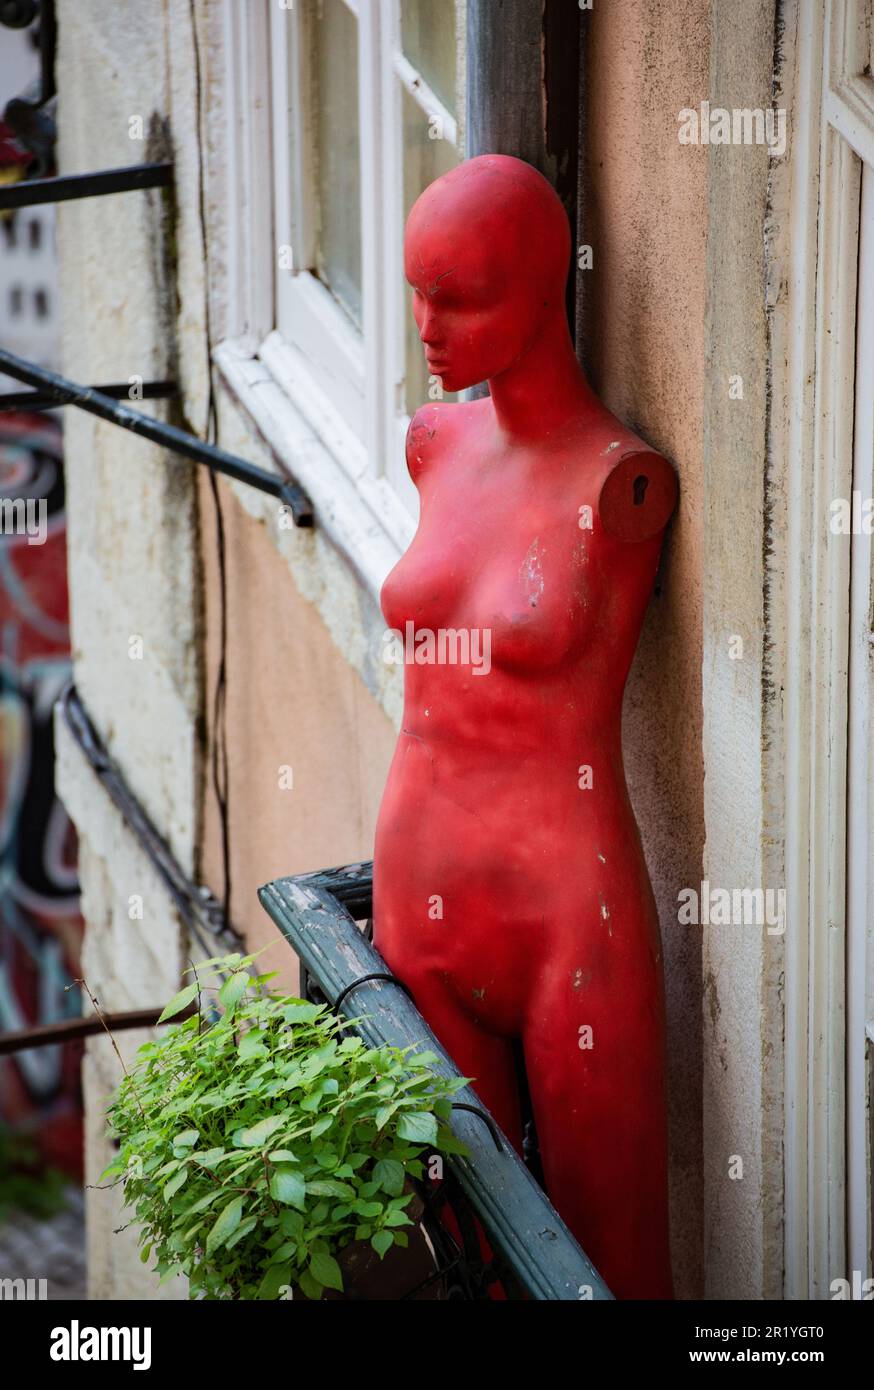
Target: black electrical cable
[219,759]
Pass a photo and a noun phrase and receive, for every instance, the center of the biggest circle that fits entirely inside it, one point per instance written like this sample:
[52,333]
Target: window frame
[826,1205]
[327,400]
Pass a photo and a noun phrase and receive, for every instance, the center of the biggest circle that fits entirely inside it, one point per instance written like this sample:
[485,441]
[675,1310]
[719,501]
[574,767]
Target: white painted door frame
[814,378]
[860,767]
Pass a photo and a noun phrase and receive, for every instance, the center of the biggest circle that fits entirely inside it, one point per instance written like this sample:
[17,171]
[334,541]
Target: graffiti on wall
[40,925]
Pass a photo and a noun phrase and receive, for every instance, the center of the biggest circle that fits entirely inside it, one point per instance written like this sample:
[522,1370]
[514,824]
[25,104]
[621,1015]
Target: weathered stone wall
[645,217]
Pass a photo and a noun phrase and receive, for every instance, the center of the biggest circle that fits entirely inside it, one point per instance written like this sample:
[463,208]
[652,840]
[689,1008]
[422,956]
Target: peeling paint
[605,915]
[531,573]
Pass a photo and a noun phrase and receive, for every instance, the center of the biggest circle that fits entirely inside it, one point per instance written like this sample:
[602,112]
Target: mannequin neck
[544,388]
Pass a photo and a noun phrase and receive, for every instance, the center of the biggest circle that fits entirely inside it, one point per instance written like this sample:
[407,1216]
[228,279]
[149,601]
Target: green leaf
[390,1176]
[179,1002]
[447,1143]
[173,1186]
[256,1135]
[329,1187]
[291,1224]
[398,1218]
[203,1202]
[310,1286]
[321,1125]
[368,1209]
[285,1252]
[242,1231]
[382,1242]
[186,1140]
[209,1157]
[226,1223]
[423,1059]
[283,1156]
[233,989]
[276,1278]
[419,1126]
[252,1046]
[325,1270]
[288,1186]
[214,960]
[298,1011]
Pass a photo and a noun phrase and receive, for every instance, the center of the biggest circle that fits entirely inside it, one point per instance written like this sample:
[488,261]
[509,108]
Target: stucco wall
[743,967]
[132,534]
[308,745]
[645,217]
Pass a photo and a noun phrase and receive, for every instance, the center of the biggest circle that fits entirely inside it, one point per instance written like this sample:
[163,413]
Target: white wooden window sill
[360,512]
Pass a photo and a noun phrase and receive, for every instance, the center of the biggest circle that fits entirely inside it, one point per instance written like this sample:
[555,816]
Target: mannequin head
[486,251]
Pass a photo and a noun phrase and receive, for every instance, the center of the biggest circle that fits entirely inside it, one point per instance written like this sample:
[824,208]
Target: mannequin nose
[428,330]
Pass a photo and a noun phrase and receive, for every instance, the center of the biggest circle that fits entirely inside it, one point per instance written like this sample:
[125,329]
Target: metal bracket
[117,391]
[64,392]
[64,187]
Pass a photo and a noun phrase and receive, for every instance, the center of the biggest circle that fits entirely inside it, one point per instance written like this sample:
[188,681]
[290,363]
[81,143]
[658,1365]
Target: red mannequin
[511,892]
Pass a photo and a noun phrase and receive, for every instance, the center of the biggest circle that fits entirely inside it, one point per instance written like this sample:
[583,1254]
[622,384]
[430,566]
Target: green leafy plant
[256,1145]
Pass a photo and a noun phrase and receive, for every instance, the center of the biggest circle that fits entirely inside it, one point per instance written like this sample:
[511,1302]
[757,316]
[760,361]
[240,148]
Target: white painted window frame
[815,352]
[326,399]
[860,768]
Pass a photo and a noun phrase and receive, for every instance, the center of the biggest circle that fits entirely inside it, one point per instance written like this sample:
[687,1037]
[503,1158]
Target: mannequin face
[472,320]
[483,252]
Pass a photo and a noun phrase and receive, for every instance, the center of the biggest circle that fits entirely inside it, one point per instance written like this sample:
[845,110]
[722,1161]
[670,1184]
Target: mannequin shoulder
[638,494]
[428,422]
[435,429]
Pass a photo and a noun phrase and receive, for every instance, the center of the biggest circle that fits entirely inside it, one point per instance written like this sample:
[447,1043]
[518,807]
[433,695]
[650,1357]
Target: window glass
[428,40]
[339,175]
